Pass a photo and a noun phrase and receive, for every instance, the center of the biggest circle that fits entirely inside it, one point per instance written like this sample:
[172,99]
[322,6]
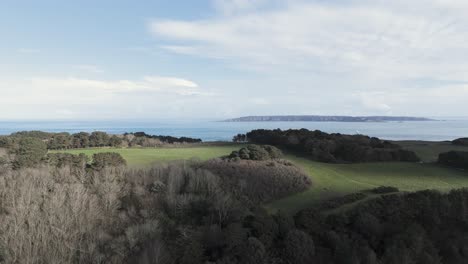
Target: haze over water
[210,130]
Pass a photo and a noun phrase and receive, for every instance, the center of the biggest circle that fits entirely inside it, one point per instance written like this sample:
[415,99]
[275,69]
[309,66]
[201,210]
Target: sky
[111,60]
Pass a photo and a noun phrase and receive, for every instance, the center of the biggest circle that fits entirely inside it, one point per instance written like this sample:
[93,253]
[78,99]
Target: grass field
[429,151]
[147,156]
[329,180]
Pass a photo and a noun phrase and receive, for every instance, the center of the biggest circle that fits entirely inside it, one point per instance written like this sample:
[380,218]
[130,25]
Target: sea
[447,128]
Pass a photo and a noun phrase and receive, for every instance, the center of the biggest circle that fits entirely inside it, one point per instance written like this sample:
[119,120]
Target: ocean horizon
[448,128]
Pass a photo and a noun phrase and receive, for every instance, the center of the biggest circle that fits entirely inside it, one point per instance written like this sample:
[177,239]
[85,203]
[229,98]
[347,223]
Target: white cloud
[380,51]
[45,97]
[381,40]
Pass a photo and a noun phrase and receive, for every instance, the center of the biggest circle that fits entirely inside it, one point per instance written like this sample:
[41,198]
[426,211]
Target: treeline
[57,141]
[422,227]
[331,148]
[460,142]
[29,152]
[456,159]
[256,152]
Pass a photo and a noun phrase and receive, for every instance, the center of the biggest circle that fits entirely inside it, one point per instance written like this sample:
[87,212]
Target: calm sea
[208,130]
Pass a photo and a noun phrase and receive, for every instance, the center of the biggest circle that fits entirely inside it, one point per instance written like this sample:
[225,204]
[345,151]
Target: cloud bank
[392,56]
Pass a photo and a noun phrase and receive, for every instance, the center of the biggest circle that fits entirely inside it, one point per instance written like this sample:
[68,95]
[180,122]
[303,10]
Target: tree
[258,152]
[255,251]
[299,247]
[80,140]
[60,141]
[98,139]
[115,141]
[29,152]
[107,159]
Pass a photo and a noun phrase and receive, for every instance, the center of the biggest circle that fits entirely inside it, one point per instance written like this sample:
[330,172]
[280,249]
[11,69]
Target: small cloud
[28,50]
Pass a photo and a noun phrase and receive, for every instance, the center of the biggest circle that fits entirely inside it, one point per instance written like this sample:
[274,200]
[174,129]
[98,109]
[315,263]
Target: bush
[457,159]
[29,152]
[384,189]
[460,142]
[257,152]
[107,159]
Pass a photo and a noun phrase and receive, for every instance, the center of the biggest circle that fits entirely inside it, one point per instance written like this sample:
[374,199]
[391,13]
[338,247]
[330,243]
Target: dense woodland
[64,208]
[456,159]
[187,213]
[331,148]
[58,141]
[460,142]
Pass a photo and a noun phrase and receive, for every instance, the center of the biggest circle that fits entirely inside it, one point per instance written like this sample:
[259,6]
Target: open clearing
[329,180]
[429,151]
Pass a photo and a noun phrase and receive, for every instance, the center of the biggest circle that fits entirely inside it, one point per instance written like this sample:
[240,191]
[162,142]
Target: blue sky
[227,58]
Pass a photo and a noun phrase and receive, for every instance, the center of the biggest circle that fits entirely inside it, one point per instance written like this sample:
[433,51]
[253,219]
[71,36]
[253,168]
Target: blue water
[210,130]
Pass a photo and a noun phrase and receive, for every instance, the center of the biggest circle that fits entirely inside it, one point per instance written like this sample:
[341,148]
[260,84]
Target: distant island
[321,118]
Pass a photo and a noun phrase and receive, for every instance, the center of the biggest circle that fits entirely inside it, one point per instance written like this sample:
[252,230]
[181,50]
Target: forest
[58,207]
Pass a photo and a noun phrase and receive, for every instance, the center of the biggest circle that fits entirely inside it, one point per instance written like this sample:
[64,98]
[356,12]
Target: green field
[329,180]
[429,151]
[147,156]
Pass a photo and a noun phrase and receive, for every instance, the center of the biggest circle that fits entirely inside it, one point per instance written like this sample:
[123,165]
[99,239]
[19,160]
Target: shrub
[29,152]
[384,189]
[257,152]
[107,159]
[457,159]
[460,142]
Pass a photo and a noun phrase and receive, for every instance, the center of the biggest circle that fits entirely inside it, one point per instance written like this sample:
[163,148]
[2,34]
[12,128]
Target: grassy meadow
[137,157]
[329,180]
[429,151]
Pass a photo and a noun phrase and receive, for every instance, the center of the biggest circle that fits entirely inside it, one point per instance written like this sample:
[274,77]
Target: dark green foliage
[61,160]
[60,141]
[5,142]
[325,147]
[255,252]
[33,134]
[299,247]
[457,159]
[28,152]
[107,159]
[421,227]
[384,189]
[80,140]
[99,139]
[166,139]
[239,138]
[460,142]
[115,141]
[257,152]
